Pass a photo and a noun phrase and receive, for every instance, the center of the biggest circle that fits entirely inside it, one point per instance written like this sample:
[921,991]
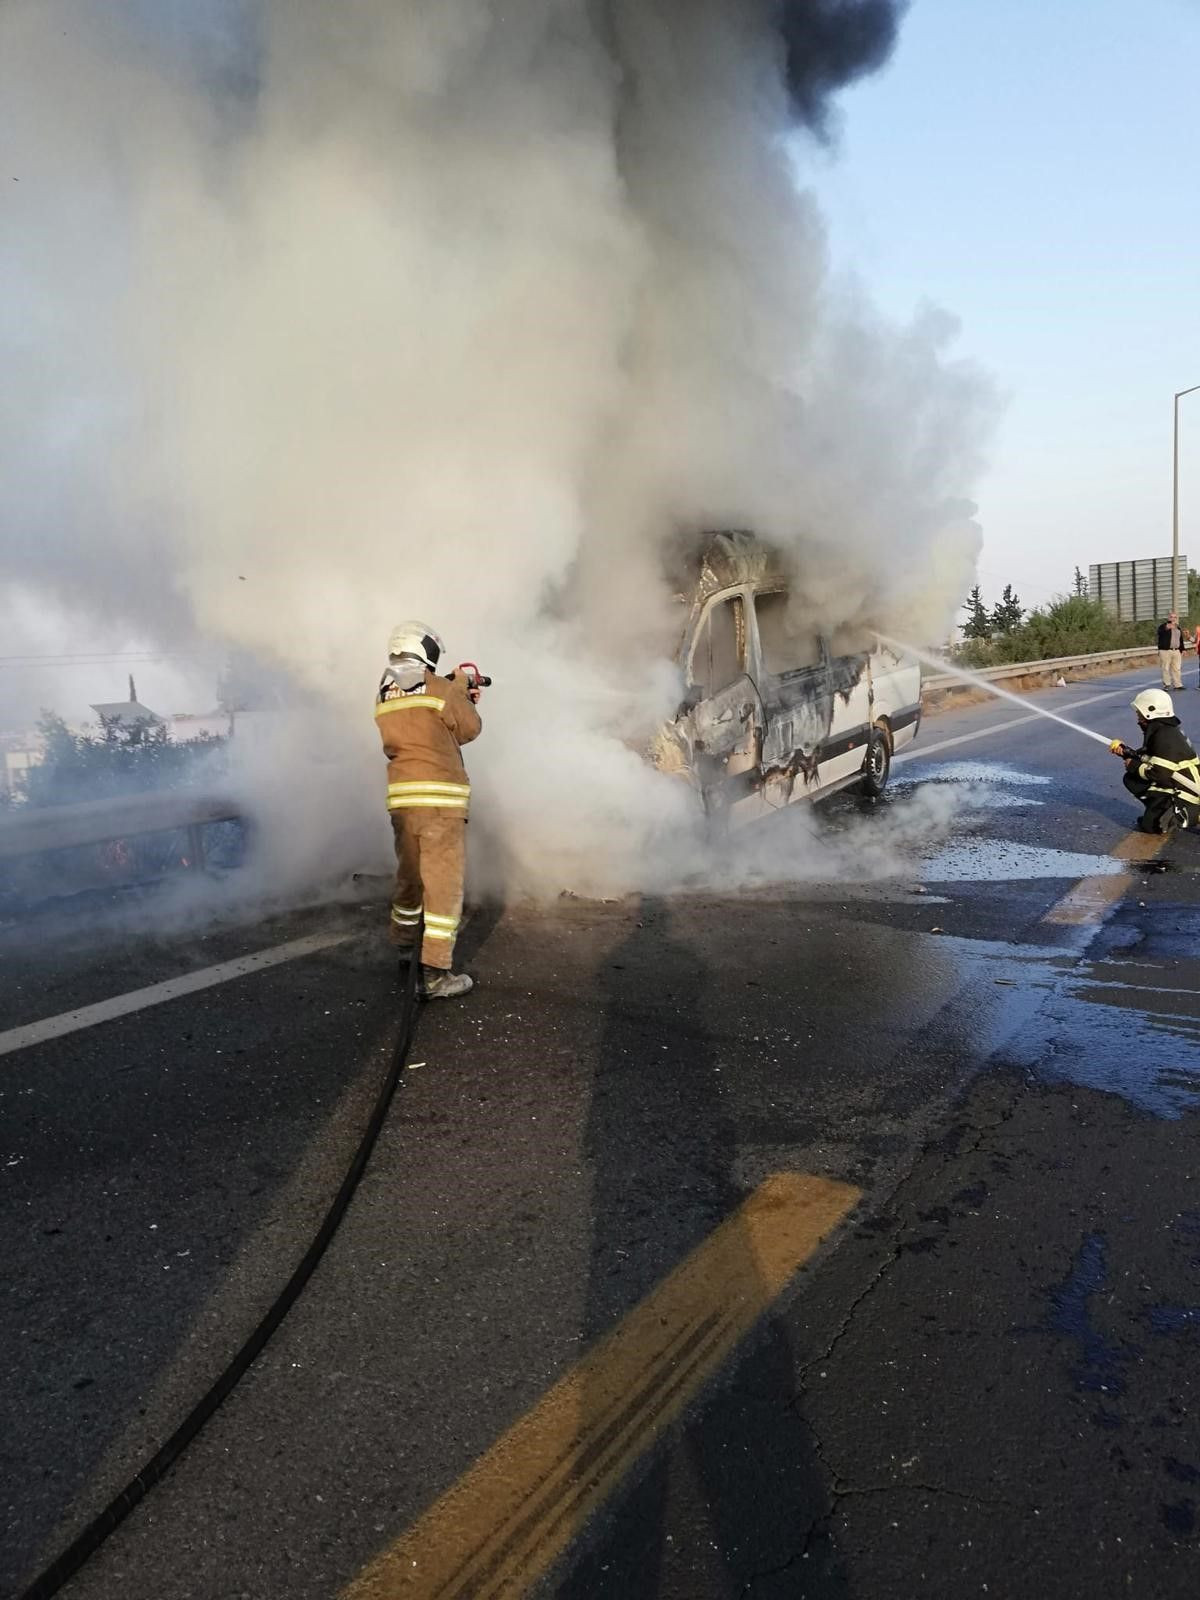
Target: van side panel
[846,743]
[897,686]
[793,681]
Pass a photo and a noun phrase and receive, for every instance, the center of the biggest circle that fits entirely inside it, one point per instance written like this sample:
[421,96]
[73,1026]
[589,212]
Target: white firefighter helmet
[417,639]
[1153,703]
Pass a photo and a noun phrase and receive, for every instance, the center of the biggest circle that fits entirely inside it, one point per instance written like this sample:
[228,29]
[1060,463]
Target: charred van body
[771,714]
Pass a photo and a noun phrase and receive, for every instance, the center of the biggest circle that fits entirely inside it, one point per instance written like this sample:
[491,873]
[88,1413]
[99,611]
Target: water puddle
[1172,932]
[965,788]
[1006,861]
[977,785]
[1125,1021]
[1100,1365]
[985,772]
[979,799]
[1172,1319]
[1142,1043]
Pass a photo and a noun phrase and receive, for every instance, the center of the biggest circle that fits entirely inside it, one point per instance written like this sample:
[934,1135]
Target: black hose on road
[97,1531]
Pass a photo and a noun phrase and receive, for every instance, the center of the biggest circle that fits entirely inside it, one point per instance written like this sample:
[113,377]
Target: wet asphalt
[985,1384]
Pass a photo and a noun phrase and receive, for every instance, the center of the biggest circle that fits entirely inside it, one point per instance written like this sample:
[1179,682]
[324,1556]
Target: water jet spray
[986,684]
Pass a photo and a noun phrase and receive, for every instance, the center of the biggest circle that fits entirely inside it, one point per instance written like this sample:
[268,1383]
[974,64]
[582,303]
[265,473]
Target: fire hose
[81,1549]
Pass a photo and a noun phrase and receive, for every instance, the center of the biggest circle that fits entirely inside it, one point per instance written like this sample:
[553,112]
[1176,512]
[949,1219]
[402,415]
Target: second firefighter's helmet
[1152,703]
[417,639]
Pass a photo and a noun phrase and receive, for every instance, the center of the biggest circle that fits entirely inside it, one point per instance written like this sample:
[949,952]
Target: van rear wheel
[878,764]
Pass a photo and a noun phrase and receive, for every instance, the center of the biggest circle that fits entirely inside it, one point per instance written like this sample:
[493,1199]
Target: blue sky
[1034,167]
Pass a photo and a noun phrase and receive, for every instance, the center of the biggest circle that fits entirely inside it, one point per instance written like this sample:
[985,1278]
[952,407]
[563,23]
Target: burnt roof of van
[730,558]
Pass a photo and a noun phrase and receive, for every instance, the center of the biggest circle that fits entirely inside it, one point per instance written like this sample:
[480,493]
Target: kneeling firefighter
[423,720]
[1165,772]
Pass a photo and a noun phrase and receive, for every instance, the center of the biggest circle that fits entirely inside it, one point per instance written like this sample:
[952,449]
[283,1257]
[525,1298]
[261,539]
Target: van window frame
[738,598]
[822,643]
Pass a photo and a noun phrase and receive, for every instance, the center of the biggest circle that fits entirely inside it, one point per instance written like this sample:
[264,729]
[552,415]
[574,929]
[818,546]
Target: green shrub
[1072,625]
[88,766]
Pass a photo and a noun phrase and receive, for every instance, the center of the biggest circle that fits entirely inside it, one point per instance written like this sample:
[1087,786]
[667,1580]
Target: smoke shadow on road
[478,926]
[735,1491]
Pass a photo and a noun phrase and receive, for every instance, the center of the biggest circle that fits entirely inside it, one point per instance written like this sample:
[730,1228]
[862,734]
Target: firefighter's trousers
[430,864]
[1157,803]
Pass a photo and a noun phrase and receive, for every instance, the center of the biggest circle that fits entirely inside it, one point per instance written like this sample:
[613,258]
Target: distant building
[127,714]
[18,752]
[195,724]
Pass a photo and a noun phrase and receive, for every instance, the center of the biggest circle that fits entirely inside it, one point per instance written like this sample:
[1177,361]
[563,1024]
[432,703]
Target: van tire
[877,764]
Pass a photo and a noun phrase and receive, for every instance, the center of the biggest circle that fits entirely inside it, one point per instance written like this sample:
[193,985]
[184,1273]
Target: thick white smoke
[319,316]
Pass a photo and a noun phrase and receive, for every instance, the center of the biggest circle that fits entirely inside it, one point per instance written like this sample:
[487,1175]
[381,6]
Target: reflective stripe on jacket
[421,732]
[1167,761]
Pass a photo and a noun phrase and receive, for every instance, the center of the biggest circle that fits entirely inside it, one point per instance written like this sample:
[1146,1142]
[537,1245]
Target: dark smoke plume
[829,43]
[823,44]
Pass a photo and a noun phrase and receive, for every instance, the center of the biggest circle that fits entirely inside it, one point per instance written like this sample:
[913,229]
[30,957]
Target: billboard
[1140,591]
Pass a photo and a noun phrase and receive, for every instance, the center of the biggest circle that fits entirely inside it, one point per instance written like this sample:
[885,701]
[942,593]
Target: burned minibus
[770,713]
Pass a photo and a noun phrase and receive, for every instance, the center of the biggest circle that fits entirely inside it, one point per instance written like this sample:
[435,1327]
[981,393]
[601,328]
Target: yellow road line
[1090,898]
[508,1519]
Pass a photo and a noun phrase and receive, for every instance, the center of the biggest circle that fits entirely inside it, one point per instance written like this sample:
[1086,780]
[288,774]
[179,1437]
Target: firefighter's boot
[440,985]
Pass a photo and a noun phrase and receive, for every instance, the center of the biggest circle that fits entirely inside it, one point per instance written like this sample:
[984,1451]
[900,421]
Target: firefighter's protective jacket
[1166,757]
[422,729]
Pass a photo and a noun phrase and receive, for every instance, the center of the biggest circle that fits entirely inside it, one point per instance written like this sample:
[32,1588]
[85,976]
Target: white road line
[918,752]
[121,1005]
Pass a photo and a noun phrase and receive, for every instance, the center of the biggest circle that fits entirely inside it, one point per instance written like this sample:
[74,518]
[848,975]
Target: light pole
[1175,491]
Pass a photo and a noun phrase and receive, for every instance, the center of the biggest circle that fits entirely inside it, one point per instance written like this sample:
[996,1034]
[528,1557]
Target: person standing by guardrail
[423,721]
[1170,646]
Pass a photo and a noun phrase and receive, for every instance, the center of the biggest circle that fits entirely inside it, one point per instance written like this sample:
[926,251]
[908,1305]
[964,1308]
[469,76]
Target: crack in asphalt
[818,1527]
[851,1491]
[821,1526]
[981,1132]
[837,1487]
[881,1272]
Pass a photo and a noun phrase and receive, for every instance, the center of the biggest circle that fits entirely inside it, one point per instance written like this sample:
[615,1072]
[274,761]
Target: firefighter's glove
[1122,750]
[472,683]
[473,678]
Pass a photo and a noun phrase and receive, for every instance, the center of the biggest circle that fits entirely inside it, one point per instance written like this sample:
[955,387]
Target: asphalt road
[960,1007]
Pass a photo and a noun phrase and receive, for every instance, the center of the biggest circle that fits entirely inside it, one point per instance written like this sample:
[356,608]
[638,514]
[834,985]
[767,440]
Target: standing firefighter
[1165,772]
[423,720]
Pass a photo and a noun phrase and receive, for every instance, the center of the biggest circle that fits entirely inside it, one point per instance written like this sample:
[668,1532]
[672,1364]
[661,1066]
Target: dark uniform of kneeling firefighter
[1164,774]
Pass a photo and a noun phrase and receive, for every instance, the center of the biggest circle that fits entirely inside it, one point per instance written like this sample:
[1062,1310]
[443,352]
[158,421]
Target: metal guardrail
[30,830]
[944,682]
